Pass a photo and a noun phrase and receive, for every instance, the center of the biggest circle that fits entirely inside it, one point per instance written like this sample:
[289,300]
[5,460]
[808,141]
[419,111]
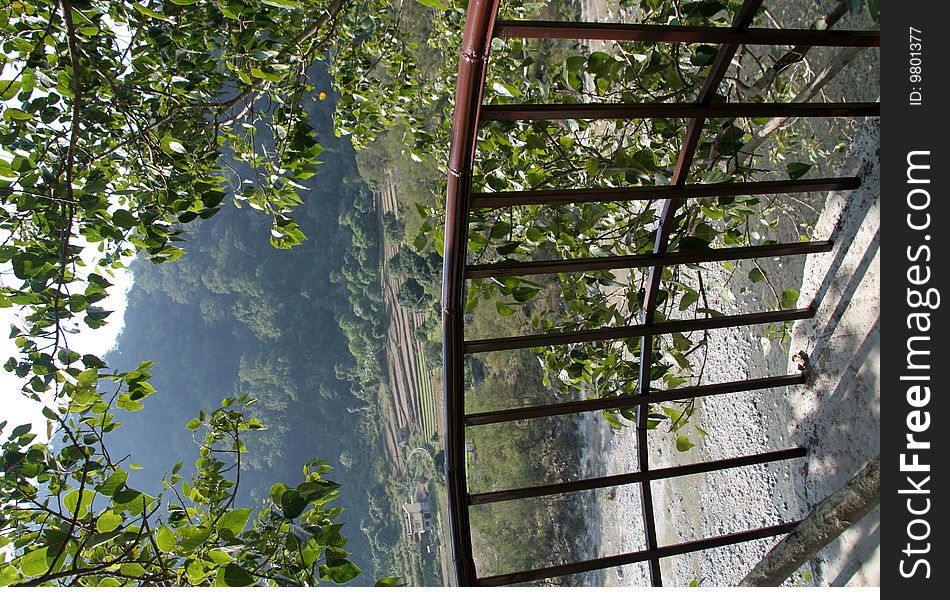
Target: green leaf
[113,484]
[35,563]
[108,521]
[17,114]
[292,504]
[703,55]
[339,571]
[471,299]
[78,507]
[503,309]
[692,243]
[220,557]
[8,575]
[502,89]
[433,4]
[20,430]
[797,169]
[165,539]
[91,361]
[123,219]
[132,569]
[87,378]
[193,424]
[148,12]
[108,582]
[389,582]
[689,297]
[8,89]
[523,294]
[193,536]
[707,8]
[612,420]
[234,576]
[172,146]
[234,521]
[499,230]
[276,492]
[184,2]
[508,248]
[756,275]
[789,298]
[683,443]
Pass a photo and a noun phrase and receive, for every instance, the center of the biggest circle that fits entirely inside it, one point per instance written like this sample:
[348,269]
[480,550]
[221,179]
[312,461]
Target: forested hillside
[236,315]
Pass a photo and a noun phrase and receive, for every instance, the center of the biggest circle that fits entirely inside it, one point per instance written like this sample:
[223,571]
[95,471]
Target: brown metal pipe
[635,557]
[638,477]
[616,333]
[666,110]
[631,400]
[606,263]
[684,34]
[476,41]
[740,22]
[653,192]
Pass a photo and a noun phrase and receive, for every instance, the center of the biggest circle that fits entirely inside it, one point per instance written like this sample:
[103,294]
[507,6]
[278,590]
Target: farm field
[413,405]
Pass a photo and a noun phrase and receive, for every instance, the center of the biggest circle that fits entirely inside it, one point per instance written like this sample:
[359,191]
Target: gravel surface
[836,416]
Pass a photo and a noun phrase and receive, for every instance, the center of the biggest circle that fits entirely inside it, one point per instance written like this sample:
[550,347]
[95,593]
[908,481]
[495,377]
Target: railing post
[476,41]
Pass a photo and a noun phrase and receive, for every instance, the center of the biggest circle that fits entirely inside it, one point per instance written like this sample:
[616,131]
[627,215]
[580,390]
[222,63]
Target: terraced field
[413,403]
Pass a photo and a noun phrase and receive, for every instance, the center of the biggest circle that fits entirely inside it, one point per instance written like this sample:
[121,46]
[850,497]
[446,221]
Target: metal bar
[666,110]
[740,22]
[630,401]
[652,192]
[606,263]
[643,465]
[637,477]
[629,331]
[476,41]
[640,556]
[684,34]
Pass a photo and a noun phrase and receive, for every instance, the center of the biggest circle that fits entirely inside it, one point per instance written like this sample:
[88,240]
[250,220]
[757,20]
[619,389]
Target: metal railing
[480,28]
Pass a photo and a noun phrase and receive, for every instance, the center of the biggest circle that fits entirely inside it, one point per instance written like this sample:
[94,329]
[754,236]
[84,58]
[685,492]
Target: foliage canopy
[124,121]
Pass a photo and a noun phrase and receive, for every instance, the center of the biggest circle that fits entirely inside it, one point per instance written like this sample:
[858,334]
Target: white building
[418,515]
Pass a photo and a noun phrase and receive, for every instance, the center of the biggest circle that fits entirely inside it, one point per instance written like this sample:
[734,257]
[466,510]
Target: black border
[906,128]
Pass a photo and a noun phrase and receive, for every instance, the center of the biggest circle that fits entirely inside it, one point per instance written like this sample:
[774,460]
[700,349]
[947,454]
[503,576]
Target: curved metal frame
[480,29]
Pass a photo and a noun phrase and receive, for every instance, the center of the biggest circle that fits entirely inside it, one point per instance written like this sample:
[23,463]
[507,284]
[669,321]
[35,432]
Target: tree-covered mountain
[296,329]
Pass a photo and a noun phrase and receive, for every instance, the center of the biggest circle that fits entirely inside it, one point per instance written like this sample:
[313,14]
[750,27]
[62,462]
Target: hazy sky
[14,408]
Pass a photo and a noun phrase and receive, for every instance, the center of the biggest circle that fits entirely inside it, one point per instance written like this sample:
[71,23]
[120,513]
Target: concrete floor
[837,416]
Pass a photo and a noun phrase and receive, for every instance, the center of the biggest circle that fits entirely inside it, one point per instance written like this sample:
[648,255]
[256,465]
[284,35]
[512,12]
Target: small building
[418,517]
[418,512]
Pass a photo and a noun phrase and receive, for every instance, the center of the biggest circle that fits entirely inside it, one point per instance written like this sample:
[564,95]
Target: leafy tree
[121,123]
[73,520]
[411,295]
[393,228]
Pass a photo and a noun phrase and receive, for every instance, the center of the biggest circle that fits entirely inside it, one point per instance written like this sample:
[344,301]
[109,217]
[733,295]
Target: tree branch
[826,521]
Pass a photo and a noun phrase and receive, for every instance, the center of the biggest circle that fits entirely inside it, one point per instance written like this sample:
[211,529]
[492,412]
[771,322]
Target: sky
[14,408]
